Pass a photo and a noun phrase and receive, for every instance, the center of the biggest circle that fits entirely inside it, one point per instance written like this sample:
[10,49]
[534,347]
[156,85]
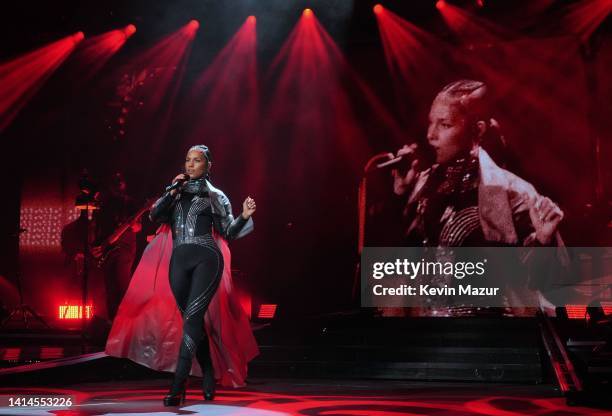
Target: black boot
[208,373]
[176,395]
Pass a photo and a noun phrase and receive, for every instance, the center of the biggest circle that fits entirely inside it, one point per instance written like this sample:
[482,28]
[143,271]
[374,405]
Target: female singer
[465,199]
[198,218]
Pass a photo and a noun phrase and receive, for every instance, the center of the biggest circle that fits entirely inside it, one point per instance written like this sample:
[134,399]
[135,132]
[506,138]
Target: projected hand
[402,183]
[248,207]
[545,216]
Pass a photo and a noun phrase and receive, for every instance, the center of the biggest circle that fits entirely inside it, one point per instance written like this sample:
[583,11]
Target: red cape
[148,325]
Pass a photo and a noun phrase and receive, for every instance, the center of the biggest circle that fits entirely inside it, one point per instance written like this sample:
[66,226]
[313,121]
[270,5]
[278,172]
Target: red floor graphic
[308,398]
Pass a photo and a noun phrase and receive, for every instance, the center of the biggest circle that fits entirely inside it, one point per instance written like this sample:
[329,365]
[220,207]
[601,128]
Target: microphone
[390,162]
[177,184]
[424,154]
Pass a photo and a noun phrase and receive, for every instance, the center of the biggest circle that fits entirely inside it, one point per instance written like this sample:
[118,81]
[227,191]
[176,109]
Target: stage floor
[307,397]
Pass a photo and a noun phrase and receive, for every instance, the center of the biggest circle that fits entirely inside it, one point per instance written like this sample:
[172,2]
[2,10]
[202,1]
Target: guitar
[108,246]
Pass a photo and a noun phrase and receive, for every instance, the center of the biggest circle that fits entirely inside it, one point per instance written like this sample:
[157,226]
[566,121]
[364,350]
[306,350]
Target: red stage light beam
[378,9]
[226,95]
[314,101]
[530,64]
[169,54]
[307,13]
[22,77]
[472,28]
[96,51]
[153,79]
[416,60]
[584,17]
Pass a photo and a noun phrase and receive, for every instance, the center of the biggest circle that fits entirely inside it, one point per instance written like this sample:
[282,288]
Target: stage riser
[457,349]
[364,354]
[408,371]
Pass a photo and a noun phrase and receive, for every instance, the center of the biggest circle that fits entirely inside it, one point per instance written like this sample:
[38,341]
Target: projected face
[196,164]
[448,131]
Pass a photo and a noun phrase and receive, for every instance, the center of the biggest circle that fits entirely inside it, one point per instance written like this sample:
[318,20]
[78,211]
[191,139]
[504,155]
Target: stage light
[252,20]
[51,353]
[576,311]
[74,312]
[129,30]
[194,24]
[11,354]
[480,4]
[267,311]
[440,4]
[307,13]
[581,311]
[378,9]
[191,28]
[77,37]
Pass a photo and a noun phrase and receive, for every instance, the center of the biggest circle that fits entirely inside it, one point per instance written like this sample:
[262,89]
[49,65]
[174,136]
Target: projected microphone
[390,162]
[177,184]
[423,153]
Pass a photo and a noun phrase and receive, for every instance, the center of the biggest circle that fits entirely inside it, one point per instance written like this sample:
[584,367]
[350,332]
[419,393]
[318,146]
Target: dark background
[302,154]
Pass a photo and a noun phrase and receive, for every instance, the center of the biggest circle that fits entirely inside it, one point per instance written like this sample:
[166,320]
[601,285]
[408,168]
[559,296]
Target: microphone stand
[361,214]
[85,276]
[24,310]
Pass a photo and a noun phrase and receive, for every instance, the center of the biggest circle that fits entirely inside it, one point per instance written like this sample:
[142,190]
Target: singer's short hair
[474,101]
[203,149]
[470,96]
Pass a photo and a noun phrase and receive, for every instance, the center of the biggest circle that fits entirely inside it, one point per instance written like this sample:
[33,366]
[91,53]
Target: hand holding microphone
[409,153]
[177,182]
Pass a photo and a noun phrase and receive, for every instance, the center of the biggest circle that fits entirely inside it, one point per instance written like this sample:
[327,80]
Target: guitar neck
[116,235]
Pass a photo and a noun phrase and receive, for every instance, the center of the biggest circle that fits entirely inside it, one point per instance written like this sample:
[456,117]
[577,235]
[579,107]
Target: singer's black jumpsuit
[196,266]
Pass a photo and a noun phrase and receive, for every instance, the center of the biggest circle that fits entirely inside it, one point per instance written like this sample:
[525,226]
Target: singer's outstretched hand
[248,207]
